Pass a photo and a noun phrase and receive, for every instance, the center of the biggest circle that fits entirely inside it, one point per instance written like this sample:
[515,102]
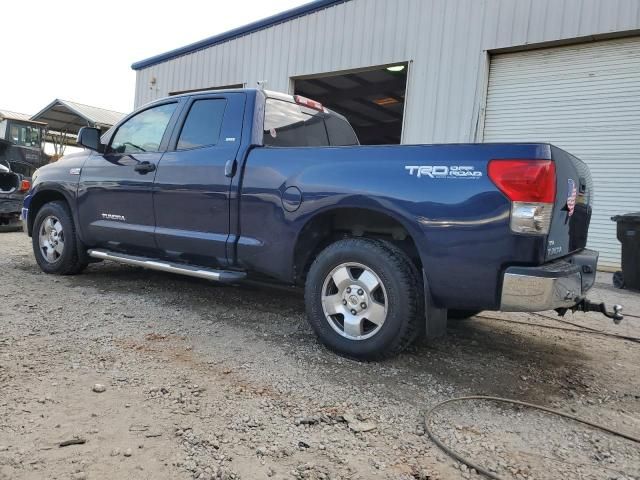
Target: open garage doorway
[372,100]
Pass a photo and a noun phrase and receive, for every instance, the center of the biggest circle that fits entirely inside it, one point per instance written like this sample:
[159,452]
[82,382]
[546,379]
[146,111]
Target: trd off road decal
[443,171]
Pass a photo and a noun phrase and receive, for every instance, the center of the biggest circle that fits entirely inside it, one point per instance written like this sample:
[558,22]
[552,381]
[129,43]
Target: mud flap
[435,318]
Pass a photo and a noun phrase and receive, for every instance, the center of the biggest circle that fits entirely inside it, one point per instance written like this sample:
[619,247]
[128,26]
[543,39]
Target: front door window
[144,132]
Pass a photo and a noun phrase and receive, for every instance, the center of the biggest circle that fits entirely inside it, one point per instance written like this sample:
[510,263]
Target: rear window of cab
[288,124]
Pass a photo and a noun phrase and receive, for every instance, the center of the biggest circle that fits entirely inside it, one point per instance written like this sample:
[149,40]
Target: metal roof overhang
[300,11]
[20,117]
[61,116]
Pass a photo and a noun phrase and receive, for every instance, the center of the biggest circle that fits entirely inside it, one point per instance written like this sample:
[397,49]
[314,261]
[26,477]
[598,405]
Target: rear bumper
[10,205]
[558,284]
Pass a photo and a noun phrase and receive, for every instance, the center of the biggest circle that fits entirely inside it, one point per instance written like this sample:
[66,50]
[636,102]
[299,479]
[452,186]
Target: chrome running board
[224,276]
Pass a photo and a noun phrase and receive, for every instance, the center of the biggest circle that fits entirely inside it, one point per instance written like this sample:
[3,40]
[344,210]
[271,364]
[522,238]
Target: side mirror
[89,137]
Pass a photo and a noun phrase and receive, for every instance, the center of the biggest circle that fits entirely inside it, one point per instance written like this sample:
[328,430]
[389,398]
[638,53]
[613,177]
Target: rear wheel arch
[335,224]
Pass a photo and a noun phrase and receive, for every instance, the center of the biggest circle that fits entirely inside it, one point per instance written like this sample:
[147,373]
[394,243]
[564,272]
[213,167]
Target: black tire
[403,296]
[462,314]
[618,280]
[68,262]
[421,320]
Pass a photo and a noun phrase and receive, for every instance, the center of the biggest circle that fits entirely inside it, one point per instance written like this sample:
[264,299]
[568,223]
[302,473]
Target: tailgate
[572,209]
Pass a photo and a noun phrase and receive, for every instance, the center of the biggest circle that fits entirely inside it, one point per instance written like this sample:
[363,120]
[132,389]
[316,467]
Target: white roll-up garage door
[583,98]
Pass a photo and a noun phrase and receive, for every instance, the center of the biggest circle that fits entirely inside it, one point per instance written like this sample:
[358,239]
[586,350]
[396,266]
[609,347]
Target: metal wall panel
[445,39]
[583,98]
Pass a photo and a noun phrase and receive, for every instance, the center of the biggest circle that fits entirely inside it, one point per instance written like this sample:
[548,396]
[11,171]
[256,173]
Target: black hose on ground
[567,322]
[449,451]
[580,329]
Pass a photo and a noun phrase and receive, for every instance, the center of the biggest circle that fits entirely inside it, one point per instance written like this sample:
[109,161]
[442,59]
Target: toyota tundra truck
[386,240]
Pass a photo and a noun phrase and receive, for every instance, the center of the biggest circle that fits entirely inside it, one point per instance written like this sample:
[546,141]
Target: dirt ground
[213,382]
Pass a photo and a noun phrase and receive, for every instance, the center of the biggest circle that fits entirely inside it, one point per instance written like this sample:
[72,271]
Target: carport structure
[65,118]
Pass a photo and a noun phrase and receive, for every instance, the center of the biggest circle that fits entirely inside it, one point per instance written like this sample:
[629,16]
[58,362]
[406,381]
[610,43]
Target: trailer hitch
[585,305]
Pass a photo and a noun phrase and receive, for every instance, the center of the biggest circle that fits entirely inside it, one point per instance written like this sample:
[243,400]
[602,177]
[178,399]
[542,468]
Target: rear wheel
[54,240]
[363,299]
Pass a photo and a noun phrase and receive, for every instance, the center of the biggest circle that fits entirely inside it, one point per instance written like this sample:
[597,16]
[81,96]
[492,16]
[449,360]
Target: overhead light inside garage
[396,68]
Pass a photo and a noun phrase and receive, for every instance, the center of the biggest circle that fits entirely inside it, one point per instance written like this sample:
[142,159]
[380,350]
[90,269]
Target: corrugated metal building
[433,71]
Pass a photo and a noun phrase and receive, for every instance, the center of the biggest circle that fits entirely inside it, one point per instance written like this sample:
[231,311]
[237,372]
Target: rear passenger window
[203,123]
[290,125]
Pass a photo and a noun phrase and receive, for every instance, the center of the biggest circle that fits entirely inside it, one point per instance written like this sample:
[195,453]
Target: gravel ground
[155,376]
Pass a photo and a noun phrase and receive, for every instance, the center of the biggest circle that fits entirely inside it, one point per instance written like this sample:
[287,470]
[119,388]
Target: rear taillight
[531,187]
[525,180]
[25,185]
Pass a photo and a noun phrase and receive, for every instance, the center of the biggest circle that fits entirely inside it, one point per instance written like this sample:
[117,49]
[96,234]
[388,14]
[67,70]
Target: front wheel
[363,299]
[54,240]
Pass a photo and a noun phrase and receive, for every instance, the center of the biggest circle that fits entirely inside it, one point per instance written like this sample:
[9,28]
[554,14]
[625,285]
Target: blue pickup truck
[387,241]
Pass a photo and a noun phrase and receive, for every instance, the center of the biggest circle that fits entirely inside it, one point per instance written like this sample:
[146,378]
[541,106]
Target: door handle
[144,167]
[230,168]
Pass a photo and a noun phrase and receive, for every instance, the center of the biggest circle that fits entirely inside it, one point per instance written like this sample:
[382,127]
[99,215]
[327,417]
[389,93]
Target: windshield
[25,135]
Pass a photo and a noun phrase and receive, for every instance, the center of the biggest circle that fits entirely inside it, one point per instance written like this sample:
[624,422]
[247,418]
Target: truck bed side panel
[460,224]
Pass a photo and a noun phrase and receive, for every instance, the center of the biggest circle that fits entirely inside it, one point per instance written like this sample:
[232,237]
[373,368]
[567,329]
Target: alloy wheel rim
[354,301]
[51,239]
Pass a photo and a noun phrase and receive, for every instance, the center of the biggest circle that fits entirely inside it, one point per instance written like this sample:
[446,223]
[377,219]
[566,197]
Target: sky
[82,51]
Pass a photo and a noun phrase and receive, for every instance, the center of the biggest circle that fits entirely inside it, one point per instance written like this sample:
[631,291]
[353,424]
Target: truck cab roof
[254,91]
